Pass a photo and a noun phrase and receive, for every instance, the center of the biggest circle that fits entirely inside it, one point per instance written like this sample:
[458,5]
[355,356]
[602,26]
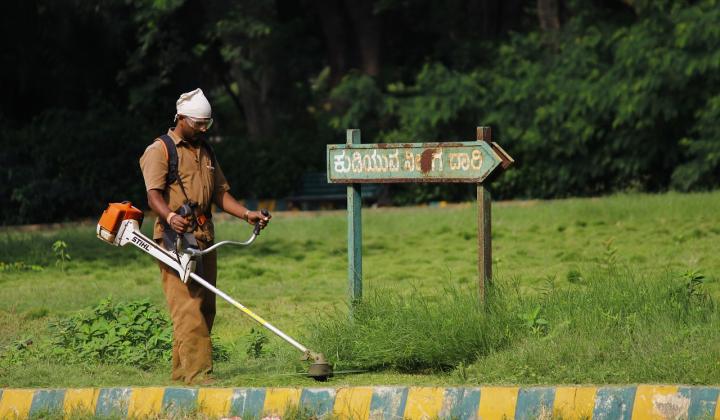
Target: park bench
[315,193]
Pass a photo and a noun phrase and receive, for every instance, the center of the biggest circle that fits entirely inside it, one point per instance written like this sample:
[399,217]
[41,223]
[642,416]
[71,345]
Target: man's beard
[196,137]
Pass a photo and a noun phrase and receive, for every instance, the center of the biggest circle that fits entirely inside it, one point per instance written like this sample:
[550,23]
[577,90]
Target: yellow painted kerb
[278,400]
[643,408]
[423,403]
[353,403]
[15,403]
[145,401]
[80,401]
[497,403]
[215,402]
[574,402]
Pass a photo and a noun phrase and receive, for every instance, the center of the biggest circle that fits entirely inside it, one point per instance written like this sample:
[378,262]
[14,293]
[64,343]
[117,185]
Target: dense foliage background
[589,97]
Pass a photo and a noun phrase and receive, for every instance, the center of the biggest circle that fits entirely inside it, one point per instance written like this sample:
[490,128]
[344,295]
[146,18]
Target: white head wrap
[194,104]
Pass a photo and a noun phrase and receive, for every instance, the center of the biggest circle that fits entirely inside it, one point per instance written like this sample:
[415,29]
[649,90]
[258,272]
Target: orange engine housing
[115,214]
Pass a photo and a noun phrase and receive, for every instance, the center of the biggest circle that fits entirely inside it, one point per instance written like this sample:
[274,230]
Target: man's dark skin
[188,132]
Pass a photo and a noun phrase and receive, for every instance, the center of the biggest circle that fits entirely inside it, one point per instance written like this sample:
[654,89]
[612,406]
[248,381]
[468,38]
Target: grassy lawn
[605,290]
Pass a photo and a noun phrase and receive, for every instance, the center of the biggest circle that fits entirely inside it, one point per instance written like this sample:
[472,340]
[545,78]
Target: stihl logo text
[142,244]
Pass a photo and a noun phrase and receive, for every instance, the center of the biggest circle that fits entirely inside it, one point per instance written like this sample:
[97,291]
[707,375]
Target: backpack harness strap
[172,176]
[172,155]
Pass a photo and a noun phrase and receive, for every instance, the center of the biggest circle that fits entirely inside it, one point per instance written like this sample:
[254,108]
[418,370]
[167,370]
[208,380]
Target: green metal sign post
[354,163]
[354,215]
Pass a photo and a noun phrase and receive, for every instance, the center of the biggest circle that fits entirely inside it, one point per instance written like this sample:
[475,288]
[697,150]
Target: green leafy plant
[534,322]
[575,276]
[691,296]
[17,352]
[62,256]
[219,352]
[258,339]
[133,333]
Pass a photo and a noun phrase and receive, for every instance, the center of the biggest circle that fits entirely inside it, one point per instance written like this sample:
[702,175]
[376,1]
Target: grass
[587,291]
[416,332]
[617,328]
[612,326]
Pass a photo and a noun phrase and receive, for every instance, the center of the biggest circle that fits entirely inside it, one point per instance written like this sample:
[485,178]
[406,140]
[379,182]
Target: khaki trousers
[192,310]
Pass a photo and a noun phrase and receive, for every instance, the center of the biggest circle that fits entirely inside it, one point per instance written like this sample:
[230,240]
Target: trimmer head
[320,369]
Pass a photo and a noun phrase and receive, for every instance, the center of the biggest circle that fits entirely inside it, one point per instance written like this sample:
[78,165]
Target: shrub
[134,333]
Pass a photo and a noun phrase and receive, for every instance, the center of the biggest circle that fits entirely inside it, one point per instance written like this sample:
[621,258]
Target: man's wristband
[170,216]
[246,215]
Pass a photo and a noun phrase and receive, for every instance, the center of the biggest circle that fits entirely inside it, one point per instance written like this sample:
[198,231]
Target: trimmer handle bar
[194,252]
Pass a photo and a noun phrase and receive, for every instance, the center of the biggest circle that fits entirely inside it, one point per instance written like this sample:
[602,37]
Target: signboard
[468,162]
[355,163]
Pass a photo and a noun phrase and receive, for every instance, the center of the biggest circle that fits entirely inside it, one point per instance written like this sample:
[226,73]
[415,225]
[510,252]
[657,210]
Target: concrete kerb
[377,402]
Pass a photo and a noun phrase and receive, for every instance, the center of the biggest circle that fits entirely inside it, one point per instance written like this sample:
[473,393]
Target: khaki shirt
[204,182]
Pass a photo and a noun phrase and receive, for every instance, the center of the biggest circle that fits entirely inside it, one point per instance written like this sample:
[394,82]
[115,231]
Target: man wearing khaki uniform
[200,183]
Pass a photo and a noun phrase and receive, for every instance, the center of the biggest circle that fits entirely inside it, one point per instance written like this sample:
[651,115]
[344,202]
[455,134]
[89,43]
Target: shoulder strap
[172,155]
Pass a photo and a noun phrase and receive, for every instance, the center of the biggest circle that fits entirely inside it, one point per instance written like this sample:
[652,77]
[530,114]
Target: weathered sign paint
[468,162]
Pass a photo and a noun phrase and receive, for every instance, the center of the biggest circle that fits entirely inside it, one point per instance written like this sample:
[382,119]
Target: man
[200,182]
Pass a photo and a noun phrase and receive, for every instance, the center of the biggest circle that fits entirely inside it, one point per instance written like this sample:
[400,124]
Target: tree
[350,26]
[246,31]
[548,12]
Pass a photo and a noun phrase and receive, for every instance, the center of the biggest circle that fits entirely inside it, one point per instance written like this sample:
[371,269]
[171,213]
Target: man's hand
[179,224]
[157,203]
[231,206]
[255,217]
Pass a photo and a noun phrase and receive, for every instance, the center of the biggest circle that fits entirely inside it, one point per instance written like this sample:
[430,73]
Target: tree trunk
[334,29]
[253,96]
[549,15]
[366,26]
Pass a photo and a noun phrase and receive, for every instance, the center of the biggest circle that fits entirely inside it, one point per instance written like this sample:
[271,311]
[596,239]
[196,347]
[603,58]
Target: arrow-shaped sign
[468,162]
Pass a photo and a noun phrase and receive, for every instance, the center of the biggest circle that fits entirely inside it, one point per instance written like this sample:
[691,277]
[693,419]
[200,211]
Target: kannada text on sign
[430,162]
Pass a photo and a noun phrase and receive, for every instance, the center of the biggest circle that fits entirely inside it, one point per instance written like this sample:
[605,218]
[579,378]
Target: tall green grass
[617,326]
[611,325]
[416,332]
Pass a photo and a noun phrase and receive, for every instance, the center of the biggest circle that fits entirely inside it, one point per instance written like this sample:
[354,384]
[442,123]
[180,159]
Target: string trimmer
[120,225]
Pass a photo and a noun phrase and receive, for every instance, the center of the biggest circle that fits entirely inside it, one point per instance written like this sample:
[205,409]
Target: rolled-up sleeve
[154,166]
